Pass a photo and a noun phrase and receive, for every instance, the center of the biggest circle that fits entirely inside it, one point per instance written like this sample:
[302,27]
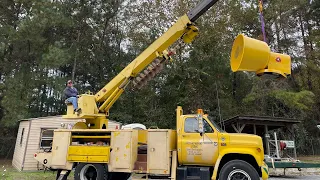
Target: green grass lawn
[7,172]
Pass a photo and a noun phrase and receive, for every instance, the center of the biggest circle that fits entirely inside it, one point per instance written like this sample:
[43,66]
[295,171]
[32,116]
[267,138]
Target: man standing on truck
[71,94]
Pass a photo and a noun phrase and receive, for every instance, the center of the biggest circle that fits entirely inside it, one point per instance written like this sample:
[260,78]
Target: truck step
[193,178]
[193,173]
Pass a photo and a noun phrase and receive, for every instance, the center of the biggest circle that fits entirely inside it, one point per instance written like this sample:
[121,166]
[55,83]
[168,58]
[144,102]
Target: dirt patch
[294,172]
[314,159]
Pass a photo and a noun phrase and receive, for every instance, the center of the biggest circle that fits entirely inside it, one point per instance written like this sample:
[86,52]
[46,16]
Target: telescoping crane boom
[150,62]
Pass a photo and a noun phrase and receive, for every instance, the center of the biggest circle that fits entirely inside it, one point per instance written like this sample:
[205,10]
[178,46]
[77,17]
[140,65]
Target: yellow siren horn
[253,55]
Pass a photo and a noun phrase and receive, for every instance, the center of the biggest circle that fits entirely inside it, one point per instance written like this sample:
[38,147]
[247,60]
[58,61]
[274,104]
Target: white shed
[36,134]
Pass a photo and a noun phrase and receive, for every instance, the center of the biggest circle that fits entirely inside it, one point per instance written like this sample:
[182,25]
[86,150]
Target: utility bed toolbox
[161,143]
[124,144]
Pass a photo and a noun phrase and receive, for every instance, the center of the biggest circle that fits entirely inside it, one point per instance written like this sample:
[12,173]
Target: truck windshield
[215,125]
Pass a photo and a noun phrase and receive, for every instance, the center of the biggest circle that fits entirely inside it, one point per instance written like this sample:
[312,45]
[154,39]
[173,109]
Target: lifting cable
[262,20]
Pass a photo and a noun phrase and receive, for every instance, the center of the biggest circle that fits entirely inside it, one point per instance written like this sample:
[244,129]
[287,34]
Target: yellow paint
[114,99]
[88,154]
[253,55]
[116,134]
[128,145]
[194,149]
[89,150]
[240,144]
[117,159]
[88,107]
[97,122]
[80,125]
[142,136]
[190,35]
[265,175]
[93,137]
[105,103]
[91,159]
[197,149]
[238,150]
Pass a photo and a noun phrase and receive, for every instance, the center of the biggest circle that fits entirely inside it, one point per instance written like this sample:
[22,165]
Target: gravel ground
[292,174]
[295,177]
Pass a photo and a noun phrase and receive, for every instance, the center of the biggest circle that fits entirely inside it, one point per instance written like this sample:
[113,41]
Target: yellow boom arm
[183,28]
[180,28]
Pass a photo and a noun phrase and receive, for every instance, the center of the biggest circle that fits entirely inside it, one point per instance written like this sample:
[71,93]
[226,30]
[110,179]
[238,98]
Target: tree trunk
[306,49]
[75,58]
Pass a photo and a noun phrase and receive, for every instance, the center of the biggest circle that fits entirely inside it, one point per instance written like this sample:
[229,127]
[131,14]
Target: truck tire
[90,171]
[238,169]
[118,176]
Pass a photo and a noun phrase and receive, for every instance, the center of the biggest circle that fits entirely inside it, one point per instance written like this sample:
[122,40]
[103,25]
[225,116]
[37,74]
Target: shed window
[46,138]
[21,138]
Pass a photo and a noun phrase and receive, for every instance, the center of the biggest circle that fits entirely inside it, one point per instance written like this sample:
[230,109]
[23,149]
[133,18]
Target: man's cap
[69,81]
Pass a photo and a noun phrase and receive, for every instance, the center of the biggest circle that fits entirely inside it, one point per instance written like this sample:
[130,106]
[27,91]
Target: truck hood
[248,140]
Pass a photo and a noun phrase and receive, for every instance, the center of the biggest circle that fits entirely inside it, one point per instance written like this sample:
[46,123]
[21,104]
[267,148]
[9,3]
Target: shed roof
[275,122]
[50,117]
[41,118]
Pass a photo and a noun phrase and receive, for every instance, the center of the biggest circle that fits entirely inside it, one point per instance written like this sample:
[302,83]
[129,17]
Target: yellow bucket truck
[197,149]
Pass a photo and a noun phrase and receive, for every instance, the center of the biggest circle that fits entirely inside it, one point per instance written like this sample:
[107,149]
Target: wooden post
[266,139]
[294,141]
[254,129]
[234,127]
[277,146]
[291,130]
[241,128]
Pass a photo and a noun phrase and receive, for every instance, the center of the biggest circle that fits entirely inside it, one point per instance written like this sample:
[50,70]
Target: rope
[262,20]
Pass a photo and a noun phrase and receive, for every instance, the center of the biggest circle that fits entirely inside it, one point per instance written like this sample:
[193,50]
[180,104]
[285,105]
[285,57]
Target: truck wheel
[87,171]
[238,169]
[118,176]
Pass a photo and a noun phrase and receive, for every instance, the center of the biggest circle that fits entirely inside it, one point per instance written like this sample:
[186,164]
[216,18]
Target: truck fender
[231,151]
[216,167]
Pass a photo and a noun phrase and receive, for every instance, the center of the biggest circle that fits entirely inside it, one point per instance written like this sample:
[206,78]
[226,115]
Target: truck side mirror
[200,121]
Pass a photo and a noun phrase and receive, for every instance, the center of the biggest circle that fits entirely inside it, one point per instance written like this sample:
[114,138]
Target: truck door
[197,149]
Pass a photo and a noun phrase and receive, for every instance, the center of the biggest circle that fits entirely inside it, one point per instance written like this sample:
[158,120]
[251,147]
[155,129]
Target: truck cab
[202,143]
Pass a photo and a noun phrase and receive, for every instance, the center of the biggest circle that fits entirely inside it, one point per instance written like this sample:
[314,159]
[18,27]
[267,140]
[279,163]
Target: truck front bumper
[265,171]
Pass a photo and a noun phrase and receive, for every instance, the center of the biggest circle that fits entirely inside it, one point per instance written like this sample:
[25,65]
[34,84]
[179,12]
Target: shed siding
[112,125]
[35,135]
[20,149]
